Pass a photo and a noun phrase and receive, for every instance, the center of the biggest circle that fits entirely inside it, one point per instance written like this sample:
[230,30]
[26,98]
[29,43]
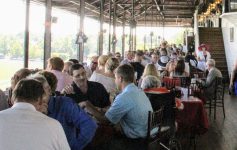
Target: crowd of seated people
[82,97]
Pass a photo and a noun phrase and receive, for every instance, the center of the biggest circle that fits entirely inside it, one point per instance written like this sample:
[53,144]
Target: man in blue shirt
[130,109]
[78,126]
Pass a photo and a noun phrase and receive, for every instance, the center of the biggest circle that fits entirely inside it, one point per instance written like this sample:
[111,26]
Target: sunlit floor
[222,134]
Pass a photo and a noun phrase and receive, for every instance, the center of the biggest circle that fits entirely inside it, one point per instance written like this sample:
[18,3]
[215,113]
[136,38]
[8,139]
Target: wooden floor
[222,133]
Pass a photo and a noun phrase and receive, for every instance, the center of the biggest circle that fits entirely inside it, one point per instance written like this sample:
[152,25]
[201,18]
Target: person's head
[210,63]
[74,61]
[118,56]
[202,47]
[124,75]
[66,67]
[129,55]
[51,79]
[20,74]
[173,56]
[180,66]
[138,56]
[150,69]
[55,63]
[102,60]
[94,63]
[78,73]
[150,82]
[44,82]
[29,91]
[111,64]
[163,44]
[43,105]
[154,57]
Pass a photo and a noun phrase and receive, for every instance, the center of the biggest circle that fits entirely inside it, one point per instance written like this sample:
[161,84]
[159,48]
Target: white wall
[230,47]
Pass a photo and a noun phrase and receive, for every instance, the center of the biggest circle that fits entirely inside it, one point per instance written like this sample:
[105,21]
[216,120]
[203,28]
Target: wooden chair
[219,95]
[170,83]
[154,127]
[217,99]
[184,81]
[166,102]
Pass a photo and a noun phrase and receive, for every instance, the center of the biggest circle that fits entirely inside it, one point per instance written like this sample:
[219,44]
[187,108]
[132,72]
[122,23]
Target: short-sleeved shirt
[96,94]
[130,108]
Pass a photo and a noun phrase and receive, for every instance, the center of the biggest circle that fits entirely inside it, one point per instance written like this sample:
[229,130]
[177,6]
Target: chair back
[154,125]
[170,83]
[167,101]
[184,81]
[219,90]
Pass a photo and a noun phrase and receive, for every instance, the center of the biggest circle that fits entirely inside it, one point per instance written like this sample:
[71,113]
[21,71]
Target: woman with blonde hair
[151,70]
[107,78]
[101,63]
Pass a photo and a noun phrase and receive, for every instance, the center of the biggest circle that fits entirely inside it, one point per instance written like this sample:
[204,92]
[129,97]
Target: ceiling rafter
[165,9]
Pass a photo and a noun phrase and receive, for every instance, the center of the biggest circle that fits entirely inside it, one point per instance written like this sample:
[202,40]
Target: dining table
[193,117]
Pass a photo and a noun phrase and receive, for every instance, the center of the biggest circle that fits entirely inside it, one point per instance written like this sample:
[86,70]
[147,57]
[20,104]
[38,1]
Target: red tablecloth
[193,118]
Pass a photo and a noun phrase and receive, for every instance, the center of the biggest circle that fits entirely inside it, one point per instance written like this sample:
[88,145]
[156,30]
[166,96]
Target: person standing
[203,56]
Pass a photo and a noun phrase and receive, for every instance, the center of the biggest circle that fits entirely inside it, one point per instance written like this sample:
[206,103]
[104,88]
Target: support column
[47,34]
[135,39]
[26,38]
[123,36]
[82,15]
[144,47]
[101,27]
[110,21]
[131,39]
[151,34]
[114,26]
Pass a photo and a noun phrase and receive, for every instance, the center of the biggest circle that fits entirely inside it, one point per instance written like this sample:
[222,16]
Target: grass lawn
[8,67]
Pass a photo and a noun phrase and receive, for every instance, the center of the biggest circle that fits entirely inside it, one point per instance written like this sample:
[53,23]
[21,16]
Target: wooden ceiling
[146,12]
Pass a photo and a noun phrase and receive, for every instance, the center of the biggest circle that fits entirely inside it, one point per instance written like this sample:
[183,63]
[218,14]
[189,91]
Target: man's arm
[84,124]
[91,109]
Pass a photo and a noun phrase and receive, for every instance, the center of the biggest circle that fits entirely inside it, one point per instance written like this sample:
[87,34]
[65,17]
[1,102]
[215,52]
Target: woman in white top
[202,57]
[107,78]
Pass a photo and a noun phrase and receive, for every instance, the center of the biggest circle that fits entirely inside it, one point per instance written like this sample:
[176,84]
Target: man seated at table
[78,126]
[209,85]
[130,109]
[82,89]
[23,127]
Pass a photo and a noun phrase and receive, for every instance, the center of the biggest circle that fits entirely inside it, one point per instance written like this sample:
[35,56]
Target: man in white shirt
[22,127]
